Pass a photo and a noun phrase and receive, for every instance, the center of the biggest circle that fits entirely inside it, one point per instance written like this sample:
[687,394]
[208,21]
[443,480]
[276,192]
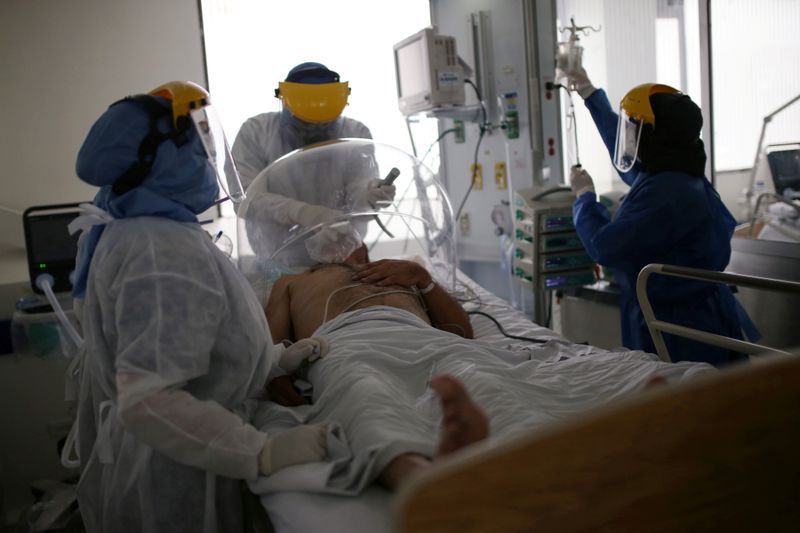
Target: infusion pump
[548,254]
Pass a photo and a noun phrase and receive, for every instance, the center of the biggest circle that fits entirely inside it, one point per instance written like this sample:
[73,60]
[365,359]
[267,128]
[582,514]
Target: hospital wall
[63,63]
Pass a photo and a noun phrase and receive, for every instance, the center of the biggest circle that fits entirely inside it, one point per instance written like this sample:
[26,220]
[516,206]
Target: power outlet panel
[463,224]
[500,176]
[476,176]
[460,134]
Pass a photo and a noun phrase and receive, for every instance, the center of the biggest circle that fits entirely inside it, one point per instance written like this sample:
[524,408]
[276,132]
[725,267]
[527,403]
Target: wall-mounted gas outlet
[463,224]
[500,176]
[476,176]
[460,134]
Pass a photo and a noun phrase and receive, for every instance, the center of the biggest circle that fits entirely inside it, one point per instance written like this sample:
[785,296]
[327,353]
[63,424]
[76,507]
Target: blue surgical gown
[668,217]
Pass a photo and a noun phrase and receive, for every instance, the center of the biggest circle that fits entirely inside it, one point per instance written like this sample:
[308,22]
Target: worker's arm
[445,312]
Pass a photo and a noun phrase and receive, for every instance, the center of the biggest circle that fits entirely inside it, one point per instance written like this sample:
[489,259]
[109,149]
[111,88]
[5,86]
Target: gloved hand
[578,80]
[333,243]
[310,215]
[580,180]
[303,352]
[378,194]
[301,444]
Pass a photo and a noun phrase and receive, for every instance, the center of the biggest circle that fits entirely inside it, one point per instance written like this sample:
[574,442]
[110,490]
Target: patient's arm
[278,311]
[445,312]
[279,319]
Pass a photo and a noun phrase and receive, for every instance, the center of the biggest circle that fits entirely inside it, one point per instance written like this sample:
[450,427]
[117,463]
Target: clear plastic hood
[328,189]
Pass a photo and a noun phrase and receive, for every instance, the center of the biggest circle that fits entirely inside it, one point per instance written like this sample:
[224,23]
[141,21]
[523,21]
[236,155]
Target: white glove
[378,194]
[301,444]
[310,215]
[579,81]
[303,352]
[580,181]
[333,243]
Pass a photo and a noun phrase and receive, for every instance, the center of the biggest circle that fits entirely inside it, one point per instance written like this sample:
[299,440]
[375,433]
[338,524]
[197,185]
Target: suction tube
[45,283]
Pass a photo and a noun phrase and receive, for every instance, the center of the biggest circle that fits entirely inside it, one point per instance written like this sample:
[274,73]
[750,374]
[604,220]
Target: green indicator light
[42,265]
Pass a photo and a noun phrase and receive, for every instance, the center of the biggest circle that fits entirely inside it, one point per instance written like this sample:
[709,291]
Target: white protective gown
[176,348]
[263,138]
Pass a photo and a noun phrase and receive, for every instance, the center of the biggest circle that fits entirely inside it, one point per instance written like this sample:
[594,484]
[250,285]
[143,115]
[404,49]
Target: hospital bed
[291,512]
[625,465]
[715,451]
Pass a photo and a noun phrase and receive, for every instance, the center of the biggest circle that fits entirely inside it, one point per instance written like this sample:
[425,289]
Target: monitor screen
[50,240]
[784,165]
[50,247]
[412,68]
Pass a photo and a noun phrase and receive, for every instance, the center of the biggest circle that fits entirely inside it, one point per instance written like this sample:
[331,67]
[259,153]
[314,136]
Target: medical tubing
[482,129]
[503,331]
[394,291]
[474,173]
[346,309]
[574,128]
[439,138]
[45,282]
[411,137]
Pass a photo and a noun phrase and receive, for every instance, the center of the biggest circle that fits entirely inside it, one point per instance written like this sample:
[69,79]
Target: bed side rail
[656,327]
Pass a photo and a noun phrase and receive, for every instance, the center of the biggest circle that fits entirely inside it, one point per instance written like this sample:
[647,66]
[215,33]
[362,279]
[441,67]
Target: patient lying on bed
[300,303]
[375,383]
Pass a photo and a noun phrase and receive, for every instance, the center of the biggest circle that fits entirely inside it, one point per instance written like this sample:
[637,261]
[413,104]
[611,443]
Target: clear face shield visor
[209,127]
[629,133]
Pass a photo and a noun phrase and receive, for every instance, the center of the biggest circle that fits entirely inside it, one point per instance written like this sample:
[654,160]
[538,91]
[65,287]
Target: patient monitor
[428,71]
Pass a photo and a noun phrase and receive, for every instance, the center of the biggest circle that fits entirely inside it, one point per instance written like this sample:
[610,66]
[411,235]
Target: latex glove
[579,81]
[301,444]
[302,353]
[333,243]
[310,215]
[580,180]
[380,195]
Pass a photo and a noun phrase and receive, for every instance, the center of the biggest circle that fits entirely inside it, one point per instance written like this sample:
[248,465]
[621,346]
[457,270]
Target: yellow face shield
[634,112]
[316,103]
[191,107]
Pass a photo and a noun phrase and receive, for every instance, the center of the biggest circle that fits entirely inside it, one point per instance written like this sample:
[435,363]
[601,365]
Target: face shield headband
[209,128]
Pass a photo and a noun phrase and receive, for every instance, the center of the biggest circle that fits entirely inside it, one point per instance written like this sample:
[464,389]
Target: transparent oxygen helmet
[337,179]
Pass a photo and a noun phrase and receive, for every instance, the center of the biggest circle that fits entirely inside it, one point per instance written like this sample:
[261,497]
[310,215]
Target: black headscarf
[674,142]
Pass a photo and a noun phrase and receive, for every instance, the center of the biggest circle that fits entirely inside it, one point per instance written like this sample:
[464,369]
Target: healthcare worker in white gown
[176,344]
[313,98]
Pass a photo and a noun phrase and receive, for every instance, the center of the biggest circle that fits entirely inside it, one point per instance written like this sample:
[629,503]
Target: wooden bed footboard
[719,453]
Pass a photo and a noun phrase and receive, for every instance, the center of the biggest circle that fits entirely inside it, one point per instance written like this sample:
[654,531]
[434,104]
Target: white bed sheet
[295,511]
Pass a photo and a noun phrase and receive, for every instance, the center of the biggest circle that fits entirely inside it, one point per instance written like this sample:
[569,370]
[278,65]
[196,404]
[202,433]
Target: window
[251,45]
[755,51]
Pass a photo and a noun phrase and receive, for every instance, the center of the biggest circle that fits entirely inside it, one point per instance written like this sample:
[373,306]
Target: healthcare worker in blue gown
[671,215]
[176,345]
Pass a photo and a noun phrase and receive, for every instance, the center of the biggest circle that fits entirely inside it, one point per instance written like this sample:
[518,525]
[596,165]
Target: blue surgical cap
[180,173]
[312,73]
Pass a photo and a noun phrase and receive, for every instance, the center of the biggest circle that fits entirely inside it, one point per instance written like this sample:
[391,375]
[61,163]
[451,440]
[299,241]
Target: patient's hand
[282,392]
[393,272]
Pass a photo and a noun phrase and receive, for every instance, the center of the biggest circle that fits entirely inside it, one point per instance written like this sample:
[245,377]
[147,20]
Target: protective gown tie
[106,414]
[91,224]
